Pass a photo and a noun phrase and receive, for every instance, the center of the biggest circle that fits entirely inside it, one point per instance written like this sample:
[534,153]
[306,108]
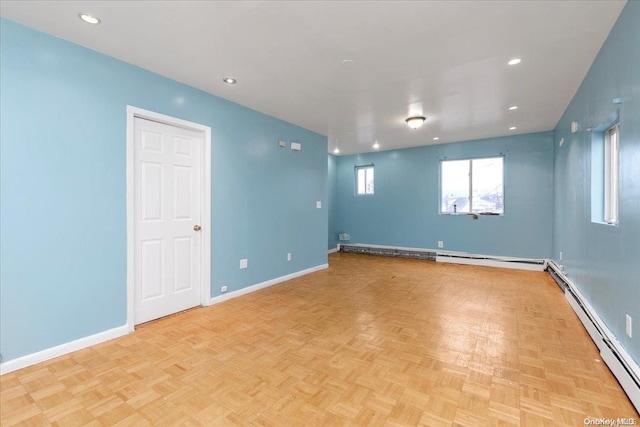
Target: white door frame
[205,131]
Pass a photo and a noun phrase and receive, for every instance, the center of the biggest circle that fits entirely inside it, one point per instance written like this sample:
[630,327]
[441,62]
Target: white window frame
[368,169]
[611,174]
[471,160]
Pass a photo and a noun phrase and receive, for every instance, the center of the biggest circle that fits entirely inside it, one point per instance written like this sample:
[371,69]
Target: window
[364,179]
[611,174]
[605,172]
[472,186]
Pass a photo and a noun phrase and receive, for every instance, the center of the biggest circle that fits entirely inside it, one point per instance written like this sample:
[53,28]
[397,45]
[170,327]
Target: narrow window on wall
[364,179]
[472,186]
[611,174]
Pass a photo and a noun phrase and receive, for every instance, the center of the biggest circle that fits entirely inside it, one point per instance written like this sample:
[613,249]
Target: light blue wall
[63,190]
[332,186]
[404,209]
[603,261]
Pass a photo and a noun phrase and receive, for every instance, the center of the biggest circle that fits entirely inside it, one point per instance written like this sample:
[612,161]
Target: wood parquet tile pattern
[370,341]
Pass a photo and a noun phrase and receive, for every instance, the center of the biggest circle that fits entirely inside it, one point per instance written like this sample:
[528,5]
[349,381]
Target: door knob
[197,227]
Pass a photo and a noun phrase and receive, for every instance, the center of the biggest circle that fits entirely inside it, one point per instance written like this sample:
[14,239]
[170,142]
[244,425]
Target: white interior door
[167,210]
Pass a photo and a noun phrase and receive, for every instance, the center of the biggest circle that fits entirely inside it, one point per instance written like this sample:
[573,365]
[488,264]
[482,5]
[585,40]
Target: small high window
[611,174]
[364,180]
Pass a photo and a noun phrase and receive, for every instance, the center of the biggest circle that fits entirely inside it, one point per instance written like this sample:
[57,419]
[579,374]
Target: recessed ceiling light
[514,61]
[336,151]
[229,80]
[89,19]
[415,122]
[435,138]
[376,145]
[513,107]
[513,128]
[348,62]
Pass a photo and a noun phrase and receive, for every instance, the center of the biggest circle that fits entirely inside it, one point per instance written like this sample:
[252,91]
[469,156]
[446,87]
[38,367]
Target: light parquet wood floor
[370,341]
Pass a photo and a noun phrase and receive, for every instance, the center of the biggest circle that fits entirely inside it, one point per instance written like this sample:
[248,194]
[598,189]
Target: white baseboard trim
[332,251]
[258,286]
[79,344]
[611,350]
[62,349]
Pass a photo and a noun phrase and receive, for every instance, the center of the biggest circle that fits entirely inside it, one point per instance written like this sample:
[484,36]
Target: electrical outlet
[244,263]
[560,255]
[223,289]
[318,204]
[440,244]
[289,256]
[629,324]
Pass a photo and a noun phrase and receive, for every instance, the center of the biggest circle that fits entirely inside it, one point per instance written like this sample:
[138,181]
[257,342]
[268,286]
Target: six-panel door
[167,209]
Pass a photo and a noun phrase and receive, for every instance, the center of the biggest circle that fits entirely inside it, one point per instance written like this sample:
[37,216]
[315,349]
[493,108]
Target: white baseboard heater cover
[625,369]
[492,261]
[447,256]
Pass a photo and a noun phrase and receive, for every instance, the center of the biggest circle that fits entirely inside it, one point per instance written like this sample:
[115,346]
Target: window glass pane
[361,180]
[369,181]
[611,175]
[487,185]
[455,186]
[615,174]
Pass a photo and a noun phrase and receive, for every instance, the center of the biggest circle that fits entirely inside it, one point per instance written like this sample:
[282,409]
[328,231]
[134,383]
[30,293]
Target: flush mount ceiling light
[415,122]
[513,128]
[435,138]
[88,18]
[336,151]
[513,107]
[229,80]
[376,145]
[514,61]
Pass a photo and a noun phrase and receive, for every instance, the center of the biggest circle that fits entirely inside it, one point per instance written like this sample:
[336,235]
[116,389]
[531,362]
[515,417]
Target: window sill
[471,214]
[610,224]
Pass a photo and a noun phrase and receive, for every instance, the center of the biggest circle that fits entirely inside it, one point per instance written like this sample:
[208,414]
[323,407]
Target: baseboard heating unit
[389,251]
[492,261]
[625,369]
[447,256]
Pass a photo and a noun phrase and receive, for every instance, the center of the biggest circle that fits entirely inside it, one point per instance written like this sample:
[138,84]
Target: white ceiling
[446,60]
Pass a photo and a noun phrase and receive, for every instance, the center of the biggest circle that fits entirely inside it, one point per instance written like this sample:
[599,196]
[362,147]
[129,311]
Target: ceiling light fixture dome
[229,80]
[415,122]
[88,18]
[336,150]
[514,61]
